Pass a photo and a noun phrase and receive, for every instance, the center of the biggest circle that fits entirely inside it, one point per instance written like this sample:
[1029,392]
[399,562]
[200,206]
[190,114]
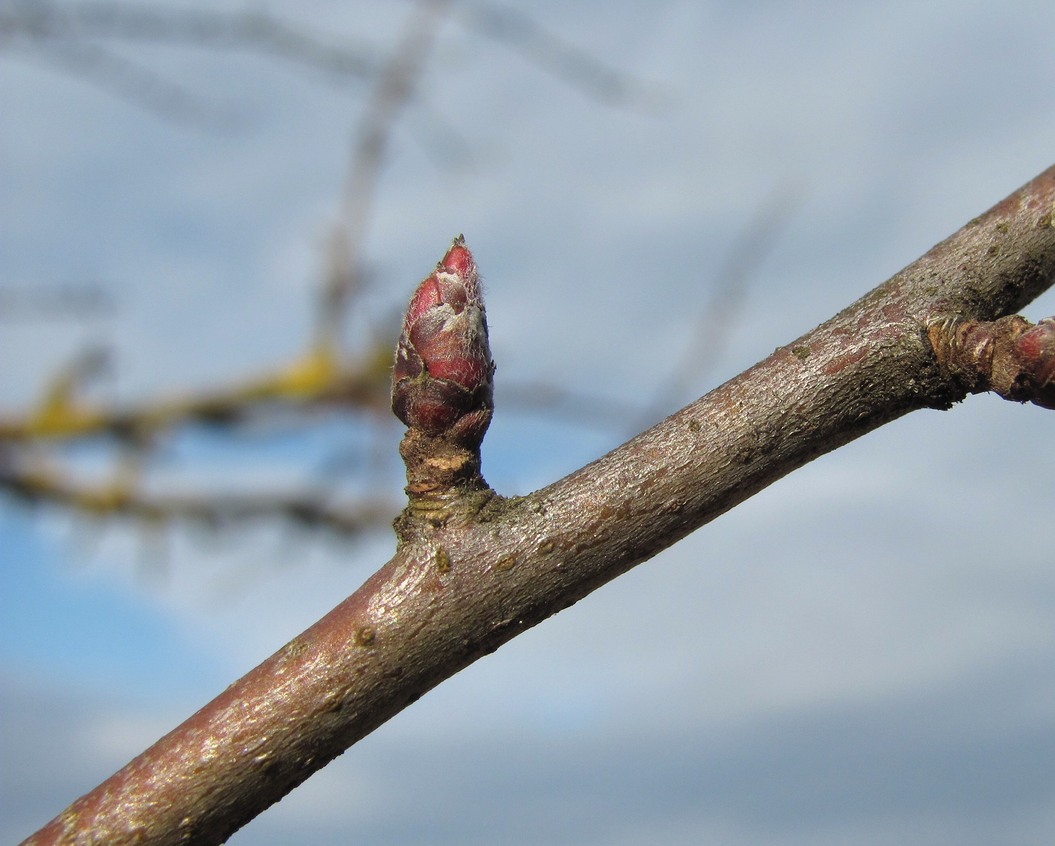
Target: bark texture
[473,569]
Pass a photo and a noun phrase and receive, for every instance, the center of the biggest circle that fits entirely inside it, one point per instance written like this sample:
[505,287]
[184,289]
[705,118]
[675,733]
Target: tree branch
[318,378]
[252,30]
[474,570]
[118,498]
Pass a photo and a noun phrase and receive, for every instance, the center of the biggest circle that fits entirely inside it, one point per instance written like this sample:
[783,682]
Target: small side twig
[1010,356]
[564,60]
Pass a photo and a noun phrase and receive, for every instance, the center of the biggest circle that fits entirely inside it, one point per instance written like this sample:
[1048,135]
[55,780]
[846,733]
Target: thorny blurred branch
[89,40]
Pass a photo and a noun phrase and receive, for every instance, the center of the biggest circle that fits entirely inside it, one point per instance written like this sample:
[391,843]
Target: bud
[442,380]
[1034,351]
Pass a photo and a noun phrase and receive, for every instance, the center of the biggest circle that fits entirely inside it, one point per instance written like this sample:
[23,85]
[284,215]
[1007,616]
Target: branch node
[1010,356]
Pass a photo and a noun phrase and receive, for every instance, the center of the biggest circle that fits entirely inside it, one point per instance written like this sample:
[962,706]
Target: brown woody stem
[461,586]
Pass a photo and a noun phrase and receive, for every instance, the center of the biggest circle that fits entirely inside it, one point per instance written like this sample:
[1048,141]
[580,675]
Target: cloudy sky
[863,653]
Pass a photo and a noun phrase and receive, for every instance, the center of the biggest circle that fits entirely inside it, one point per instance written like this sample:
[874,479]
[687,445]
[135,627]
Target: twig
[134,83]
[392,91]
[252,30]
[74,38]
[570,64]
[317,379]
[120,500]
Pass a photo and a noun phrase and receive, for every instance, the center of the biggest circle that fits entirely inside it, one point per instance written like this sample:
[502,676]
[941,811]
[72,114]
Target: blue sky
[861,653]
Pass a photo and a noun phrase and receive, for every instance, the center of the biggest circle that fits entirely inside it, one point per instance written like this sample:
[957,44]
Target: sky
[862,653]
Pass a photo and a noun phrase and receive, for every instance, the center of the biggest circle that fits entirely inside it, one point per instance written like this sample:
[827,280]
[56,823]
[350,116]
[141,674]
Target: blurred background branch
[90,40]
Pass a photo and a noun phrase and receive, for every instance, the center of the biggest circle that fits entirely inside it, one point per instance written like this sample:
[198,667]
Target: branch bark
[473,570]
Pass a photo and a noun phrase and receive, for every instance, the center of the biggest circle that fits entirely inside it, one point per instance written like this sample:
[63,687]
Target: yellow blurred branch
[317,378]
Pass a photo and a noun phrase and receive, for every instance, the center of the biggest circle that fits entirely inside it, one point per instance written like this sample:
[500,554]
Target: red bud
[442,381]
[1035,355]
